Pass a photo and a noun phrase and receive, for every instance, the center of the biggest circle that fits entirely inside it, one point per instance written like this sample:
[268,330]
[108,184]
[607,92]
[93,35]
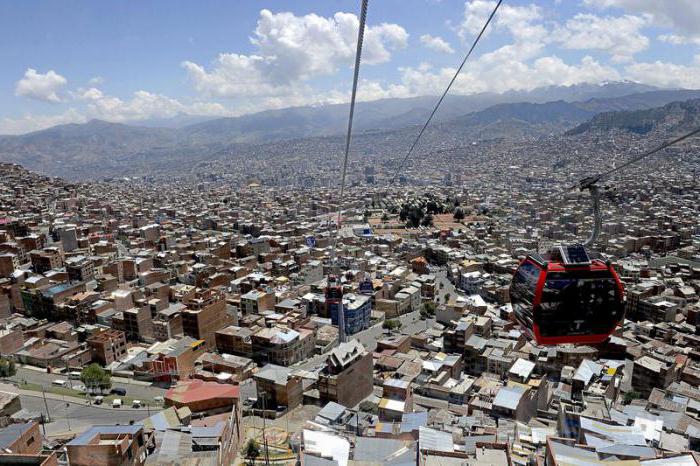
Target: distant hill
[382,114]
[674,116]
[61,149]
[98,149]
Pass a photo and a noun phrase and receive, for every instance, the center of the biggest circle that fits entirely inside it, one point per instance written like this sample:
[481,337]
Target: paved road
[444,286]
[133,389]
[76,417]
[411,324]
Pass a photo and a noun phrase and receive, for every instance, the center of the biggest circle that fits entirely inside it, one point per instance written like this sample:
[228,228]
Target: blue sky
[129,61]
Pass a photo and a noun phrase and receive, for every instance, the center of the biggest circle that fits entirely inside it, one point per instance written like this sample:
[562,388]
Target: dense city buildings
[231,296]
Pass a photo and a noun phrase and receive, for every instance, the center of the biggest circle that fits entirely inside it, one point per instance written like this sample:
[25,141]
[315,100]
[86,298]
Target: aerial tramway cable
[356,75]
[590,180]
[447,89]
[590,183]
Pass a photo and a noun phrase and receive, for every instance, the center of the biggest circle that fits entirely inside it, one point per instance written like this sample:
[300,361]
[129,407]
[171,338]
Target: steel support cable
[586,182]
[590,182]
[356,75]
[348,138]
[447,89]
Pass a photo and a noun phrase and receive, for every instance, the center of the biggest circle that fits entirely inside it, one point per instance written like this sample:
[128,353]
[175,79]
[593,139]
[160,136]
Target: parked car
[136,404]
[59,382]
[99,399]
[119,391]
[116,403]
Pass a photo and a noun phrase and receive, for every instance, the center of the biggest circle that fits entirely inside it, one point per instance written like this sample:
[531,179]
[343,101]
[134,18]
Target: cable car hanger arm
[590,182]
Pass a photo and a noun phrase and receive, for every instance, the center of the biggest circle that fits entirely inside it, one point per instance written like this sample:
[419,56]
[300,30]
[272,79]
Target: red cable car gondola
[565,297]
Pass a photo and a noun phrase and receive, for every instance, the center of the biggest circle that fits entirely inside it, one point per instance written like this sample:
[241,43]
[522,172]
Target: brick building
[108,346]
[204,315]
[347,378]
[109,445]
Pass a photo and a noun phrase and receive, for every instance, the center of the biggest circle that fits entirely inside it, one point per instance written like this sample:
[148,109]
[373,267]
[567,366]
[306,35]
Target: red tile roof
[191,391]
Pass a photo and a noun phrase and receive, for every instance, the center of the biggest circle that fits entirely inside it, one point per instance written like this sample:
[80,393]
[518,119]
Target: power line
[442,97]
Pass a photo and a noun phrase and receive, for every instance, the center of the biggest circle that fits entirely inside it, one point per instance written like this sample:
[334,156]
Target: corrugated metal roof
[412,421]
[586,370]
[431,439]
[628,435]
[509,397]
[684,460]
[89,434]
[375,449]
[332,411]
[10,434]
[327,445]
[522,368]
[392,405]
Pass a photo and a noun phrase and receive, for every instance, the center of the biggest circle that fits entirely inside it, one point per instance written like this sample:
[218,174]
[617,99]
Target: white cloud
[142,105]
[681,15]
[290,54]
[522,22]
[40,86]
[436,43]
[234,75]
[87,94]
[677,39]
[620,36]
[28,123]
[293,49]
[497,73]
[665,74]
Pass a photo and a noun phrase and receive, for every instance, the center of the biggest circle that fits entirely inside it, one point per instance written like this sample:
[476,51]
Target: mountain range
[98,148]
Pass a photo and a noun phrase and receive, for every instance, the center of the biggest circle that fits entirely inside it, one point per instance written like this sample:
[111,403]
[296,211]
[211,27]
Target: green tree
[428,310]
[369,407]
[415,215]
[7,367]
[459,215]
[427,221]
[630,396]
[391,324]
[385,217]
[251,451]
[94,376]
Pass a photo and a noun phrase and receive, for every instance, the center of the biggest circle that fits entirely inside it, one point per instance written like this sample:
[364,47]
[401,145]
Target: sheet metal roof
[627,435]
[508,397]
[431,439]
[10,434]
[332,411]
[88,435]
[522,368]
[327,445]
